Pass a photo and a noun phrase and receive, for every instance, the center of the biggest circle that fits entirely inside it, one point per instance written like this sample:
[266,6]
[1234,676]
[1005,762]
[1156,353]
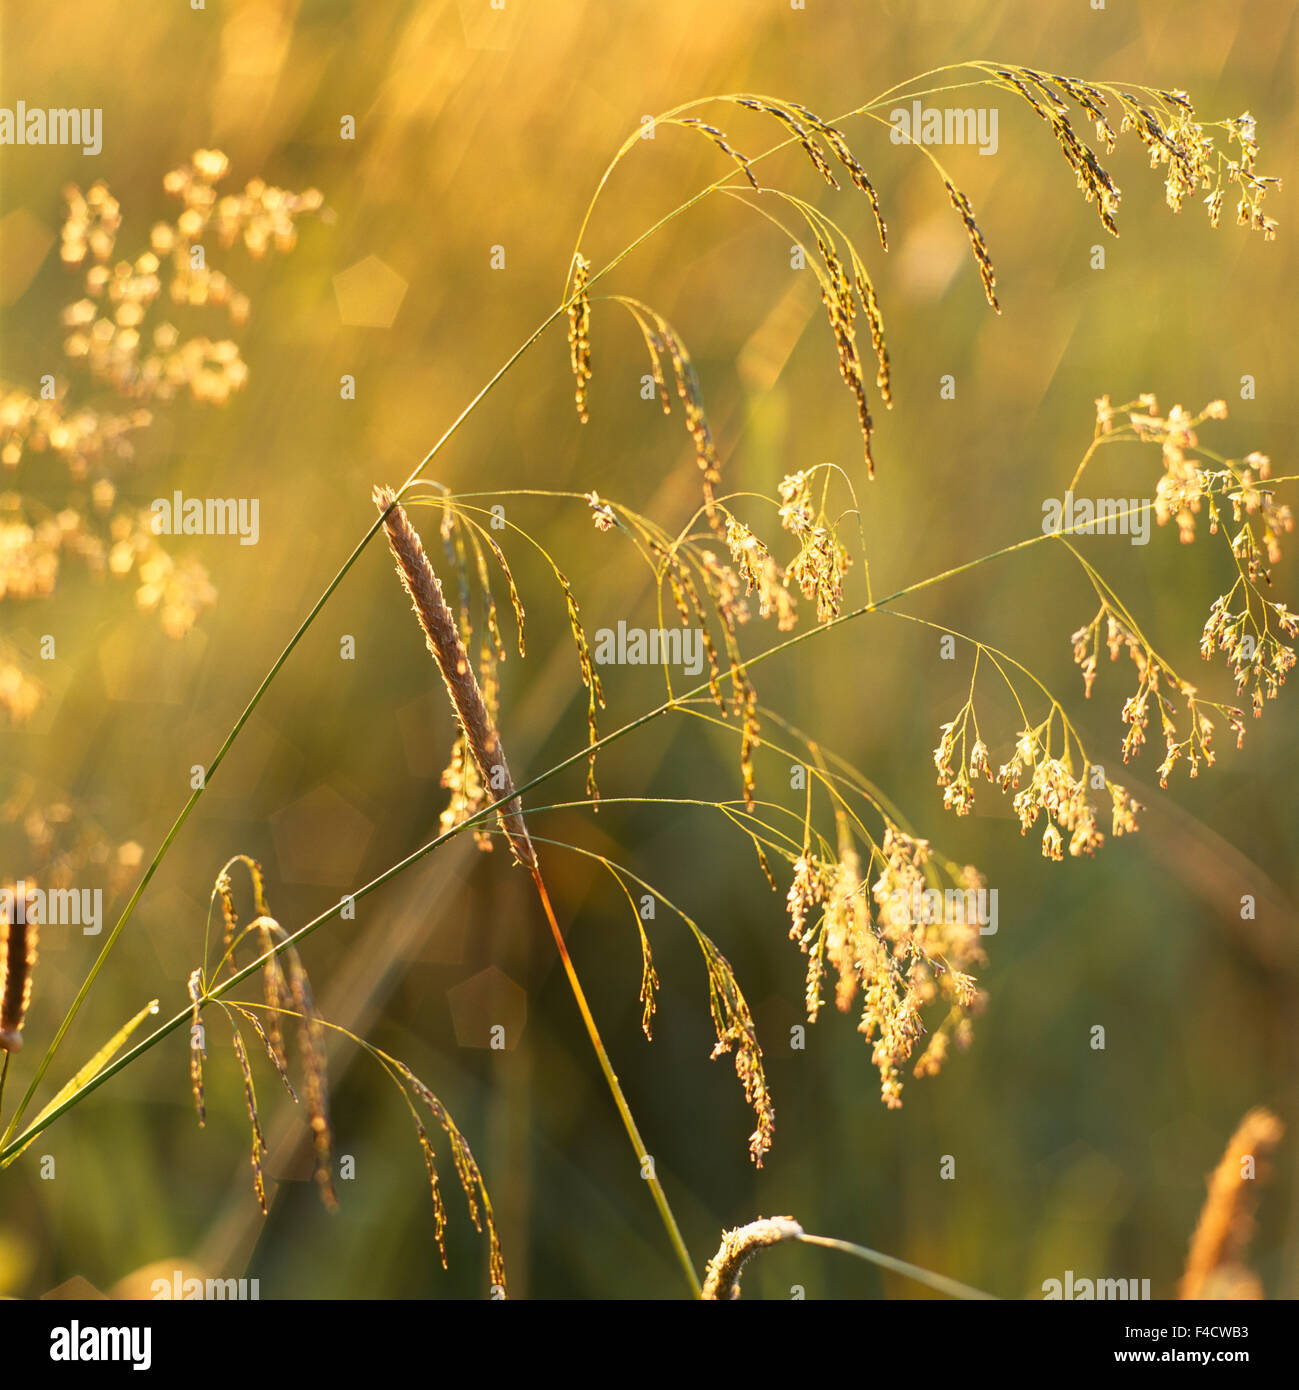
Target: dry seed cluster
[116,331]
[822,560]
[736,1034]
[109,332]
[80,438]
[287,994]
[840,291]
[1165,123]
[1248,634]
[901,966]
[1061,798]
[807,129]
[1051,792]
[61,841]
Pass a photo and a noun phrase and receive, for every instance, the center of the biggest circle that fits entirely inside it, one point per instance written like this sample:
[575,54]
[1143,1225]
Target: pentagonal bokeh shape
[321,838]
[369,293]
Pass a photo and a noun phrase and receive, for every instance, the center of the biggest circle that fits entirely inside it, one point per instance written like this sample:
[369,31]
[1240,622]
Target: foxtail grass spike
[1214,1266]
[443,639]
[17,962]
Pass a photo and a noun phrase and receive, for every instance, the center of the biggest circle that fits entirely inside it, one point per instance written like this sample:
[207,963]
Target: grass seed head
[719,139]
[579,333]
[982,256]
[18,939]
[1214,1266]
[444,642]
[196,1044]
[250,1096]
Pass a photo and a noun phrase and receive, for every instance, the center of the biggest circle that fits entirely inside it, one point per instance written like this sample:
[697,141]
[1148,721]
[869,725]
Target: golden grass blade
[91,1069]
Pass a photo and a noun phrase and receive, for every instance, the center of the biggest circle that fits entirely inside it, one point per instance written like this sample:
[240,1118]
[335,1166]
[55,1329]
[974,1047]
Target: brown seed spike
[719,139]
[786,117]
[196,1052]
[1039,81]
[1017,82]
[435,1191]
[838,142]
[275,989]
[866,293]
[250,1096]
[579,333]
[228,913]
[443,640]
[722,1278]
[276,1055]
[315,1083]
[980,247]
[1227,1219]
[838,302]
[17,962]
[594,689]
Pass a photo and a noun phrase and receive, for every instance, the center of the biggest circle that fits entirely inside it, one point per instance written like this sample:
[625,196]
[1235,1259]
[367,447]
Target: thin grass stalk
[443,639]
[938,1282]
[629,1123]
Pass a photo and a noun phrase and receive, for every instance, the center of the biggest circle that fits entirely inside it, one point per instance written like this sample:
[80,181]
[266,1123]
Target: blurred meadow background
[478,128]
